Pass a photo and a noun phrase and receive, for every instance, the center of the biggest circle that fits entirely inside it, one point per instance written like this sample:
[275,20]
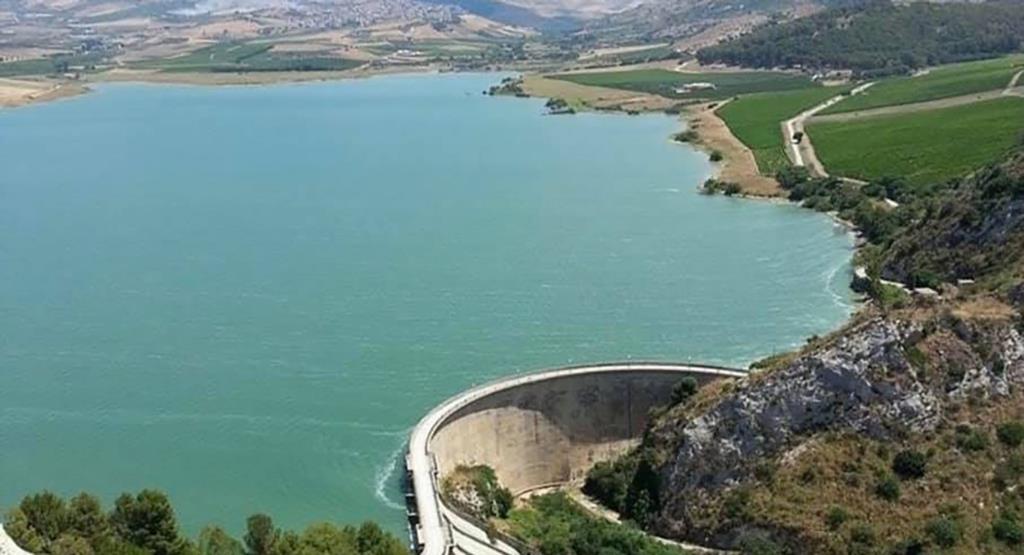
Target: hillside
[879,38]
[900,433]
[692,23]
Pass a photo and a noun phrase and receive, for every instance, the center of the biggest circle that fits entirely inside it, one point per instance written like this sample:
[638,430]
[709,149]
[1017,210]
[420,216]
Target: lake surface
[248,296]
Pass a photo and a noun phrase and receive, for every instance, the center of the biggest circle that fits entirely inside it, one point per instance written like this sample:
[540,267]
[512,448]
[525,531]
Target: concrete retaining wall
[535,430]
[552,431]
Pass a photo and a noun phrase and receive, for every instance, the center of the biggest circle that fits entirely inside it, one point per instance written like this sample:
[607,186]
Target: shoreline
[20,92]
[32,92]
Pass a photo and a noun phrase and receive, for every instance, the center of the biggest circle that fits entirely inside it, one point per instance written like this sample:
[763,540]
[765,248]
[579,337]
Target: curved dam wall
[552,431]
[534,430]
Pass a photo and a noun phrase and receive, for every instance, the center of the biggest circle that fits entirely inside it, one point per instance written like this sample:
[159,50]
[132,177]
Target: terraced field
[941,82]
[922,146]
[755,120]
[667,83]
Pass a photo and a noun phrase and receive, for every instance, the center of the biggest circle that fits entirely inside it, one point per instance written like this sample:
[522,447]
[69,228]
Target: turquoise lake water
[247,296]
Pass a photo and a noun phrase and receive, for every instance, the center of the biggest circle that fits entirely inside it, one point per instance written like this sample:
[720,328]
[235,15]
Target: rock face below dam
[537,430]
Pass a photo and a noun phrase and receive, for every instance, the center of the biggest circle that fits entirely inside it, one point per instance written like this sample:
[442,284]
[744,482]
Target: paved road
[441,531]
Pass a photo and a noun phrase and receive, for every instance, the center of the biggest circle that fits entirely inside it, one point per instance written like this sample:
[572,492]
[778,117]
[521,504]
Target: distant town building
[694,87]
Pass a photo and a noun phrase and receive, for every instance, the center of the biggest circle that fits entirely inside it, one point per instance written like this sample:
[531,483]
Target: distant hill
[660,20]
[879,38]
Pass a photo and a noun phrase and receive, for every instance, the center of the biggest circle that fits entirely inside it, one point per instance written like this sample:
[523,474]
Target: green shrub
[1007,473]
[759,545]
[862,534]
[684,390]
[915,357]
[1008,530]
[1011,434]
[909,464]
[888,488]
[971,440]
[608,482]
[737,504]
[687,136]
[944,531]
[835,517]
[716,156]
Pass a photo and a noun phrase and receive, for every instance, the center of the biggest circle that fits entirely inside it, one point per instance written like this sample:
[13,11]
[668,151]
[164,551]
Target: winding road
[802,154]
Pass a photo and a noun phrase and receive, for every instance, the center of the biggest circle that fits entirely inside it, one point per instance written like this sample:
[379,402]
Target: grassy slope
[755,121]
[942,82]
[838,475]
[664,82]
[924,146]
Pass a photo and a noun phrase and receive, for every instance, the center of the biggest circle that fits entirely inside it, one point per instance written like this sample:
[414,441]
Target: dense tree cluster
[145,524]
[556,525]
[879,38]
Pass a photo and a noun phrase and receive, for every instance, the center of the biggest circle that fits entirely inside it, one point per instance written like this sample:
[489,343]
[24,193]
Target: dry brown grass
[738,165]
[843,471]
[594,97]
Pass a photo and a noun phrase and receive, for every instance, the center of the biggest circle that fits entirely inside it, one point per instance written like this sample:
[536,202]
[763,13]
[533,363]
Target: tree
[289,543]
[213,540]
[86,518]
[46,514]
[112,545]
[327,539]
[71,545]
[260,534]
[17,526]
[371,540]
[147,521]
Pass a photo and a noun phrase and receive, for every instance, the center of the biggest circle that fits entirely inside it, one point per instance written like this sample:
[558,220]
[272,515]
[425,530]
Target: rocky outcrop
[885,379]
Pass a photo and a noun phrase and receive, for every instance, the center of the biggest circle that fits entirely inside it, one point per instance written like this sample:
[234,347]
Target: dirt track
[916,107]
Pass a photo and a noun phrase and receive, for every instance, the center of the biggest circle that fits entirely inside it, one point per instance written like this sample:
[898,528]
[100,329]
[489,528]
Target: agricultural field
[232,57]
[924,147]
[665,82]
[755,120]
[941,82]
[632,55]
[54,65]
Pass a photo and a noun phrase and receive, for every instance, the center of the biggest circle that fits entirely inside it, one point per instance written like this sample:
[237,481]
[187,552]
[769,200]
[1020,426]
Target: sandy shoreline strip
[21,92]
[738,164]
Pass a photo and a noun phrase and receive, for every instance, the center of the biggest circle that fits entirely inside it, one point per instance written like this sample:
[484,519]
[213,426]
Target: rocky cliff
[902,433]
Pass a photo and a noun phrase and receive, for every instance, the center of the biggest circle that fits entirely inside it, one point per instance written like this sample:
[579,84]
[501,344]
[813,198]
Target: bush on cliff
[910,464]
[476,490]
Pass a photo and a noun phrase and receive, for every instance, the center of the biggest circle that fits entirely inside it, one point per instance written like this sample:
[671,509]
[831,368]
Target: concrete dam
[536,430]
